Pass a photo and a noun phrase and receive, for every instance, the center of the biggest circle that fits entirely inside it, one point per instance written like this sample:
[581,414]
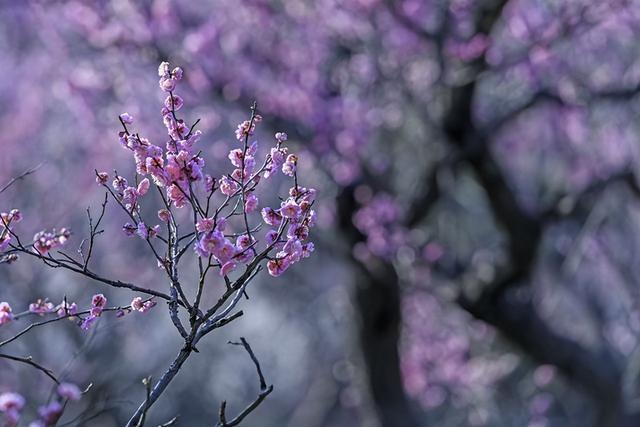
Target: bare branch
[19,177]
[264,391]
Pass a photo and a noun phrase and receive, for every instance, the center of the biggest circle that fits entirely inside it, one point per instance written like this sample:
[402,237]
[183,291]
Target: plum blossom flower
[98,303]
[41,307]
[271,217]
[205,225]
[227,268]
[119,183]
[44,241]
[102,178]
[225,252]
[174,102]
[164,215]
[278,265]
[246,128]
[293,249]
[227,186]
[289,166]
[307,249]
[69,391]
[271,236]
[50,413]
[250,203]
[129,229]
[126,118]
[138,304]
[290,209]
[281,137]
[6,315]
[66,309]
[11,405]
[211,241]
[298,231]
[86,323]
[143,187]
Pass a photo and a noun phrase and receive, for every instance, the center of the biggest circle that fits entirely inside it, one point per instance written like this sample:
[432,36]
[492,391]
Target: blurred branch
[29,361]
[264,392]
[20,177]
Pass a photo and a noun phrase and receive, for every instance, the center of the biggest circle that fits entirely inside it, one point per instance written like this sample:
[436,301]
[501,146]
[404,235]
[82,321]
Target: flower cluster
[179,173]
[378,220]
[41,306]
[296,215]
[11,405]
[45,241]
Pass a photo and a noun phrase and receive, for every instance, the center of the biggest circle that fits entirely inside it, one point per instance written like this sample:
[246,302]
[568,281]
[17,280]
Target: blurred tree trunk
[377,302]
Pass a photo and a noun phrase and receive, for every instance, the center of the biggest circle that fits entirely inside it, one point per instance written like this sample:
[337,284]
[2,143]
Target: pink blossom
[143,187]
[250,203]
[126,118]
[245,129]
[87,322]
[225,252]
[41,307]
[102,178]
[293,248]
[138,304]
[130,198]
[177,196]
[10,400]
[278,266]
[271,236]
[227,186]
[227,268]
[129,229]
[6,315]
[164,215]
[164,69]
[281,137]
[298,231]
[44,241]
[307,249]
[290,209]
[175,102]
[15,215]
[210,183]
[271,217]
[212,241]
[50,413]
[98,303]
[236,156]
[11,404]
[289,166]
[142,230]
[65,309]
[119,184]
[167,84]
[69,391]
[5,239]
[244,241]
[205,225]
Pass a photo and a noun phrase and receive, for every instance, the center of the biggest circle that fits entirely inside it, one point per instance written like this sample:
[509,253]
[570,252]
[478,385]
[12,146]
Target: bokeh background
[476,256]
